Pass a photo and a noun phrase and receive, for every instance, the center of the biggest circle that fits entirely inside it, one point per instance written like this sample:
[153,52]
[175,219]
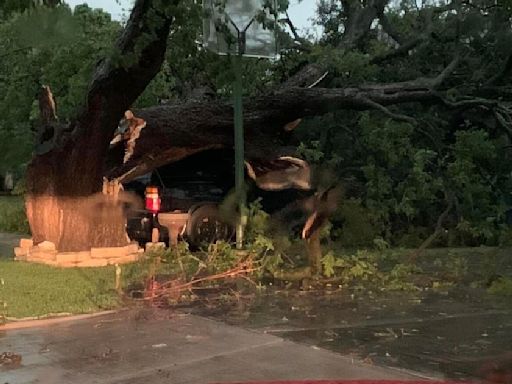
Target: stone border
[46,253]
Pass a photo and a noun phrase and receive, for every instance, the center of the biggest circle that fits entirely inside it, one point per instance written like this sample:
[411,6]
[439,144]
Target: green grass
[30,290]
[12,215]
[501,287]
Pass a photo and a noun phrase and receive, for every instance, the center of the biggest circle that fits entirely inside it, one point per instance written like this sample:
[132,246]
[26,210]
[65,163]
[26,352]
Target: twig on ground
[172,288]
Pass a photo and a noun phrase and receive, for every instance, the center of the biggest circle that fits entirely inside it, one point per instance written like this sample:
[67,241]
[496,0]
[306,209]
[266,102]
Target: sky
[300,13]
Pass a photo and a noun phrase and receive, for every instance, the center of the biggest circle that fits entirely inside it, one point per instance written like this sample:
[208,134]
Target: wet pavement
[456,334]
[157,346]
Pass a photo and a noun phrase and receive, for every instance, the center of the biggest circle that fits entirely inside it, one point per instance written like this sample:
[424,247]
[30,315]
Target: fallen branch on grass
[173,288]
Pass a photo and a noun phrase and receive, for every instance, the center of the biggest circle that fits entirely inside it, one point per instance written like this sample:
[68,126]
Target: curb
[22,324]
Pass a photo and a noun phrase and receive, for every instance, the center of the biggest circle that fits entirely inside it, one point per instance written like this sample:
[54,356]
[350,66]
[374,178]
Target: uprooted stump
[46,253]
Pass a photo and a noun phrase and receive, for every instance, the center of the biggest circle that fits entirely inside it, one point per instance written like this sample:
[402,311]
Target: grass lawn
[30,290]
[35,290]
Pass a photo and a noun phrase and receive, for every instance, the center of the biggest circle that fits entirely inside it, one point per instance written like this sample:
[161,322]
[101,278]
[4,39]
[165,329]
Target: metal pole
[239,149]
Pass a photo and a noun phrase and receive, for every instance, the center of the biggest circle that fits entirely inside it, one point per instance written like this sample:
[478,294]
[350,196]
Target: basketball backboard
[244,27]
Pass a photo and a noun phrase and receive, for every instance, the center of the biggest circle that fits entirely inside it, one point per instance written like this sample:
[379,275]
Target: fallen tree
[65,180]
[176,131]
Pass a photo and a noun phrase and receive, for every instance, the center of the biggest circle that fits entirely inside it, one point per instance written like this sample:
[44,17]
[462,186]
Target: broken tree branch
[387,112]
[303,43]
[305,76]
[438,230]
[390,29]
[179,130]
[47,107]
[439,80]
[402,50]
[505,72]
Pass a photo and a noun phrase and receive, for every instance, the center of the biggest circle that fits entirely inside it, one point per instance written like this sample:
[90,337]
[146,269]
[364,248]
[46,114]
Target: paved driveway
[155,346]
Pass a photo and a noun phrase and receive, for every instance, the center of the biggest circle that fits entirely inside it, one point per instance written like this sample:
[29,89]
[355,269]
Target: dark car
[195,186]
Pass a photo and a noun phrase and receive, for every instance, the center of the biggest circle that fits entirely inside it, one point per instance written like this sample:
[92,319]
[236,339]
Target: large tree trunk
[72,224]
[63,207]
[65,203]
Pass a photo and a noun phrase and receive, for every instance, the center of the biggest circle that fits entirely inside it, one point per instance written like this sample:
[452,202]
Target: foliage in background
[264,240]
[501,287]
[398,179]
[405,174]
[382,270]
[62,54]
[12,215]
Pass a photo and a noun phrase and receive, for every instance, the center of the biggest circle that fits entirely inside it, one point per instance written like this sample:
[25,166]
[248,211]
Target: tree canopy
[40,46]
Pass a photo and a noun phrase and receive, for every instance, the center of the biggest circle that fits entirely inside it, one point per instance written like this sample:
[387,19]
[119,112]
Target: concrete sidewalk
[155,346]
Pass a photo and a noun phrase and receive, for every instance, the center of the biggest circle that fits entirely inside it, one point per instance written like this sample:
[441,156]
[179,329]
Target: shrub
[358,226]
[12,215]
[501,286]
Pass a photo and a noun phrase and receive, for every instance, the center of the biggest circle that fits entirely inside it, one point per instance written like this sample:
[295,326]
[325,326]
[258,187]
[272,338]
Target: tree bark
[359,20]
[175,131]
[314,249]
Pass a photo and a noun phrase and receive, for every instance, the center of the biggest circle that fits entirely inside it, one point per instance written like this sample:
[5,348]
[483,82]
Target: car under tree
[196,192]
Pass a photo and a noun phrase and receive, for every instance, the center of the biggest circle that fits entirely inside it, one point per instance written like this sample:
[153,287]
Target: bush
[501,287]
[20,187]
[358,228]
[12,215]
[506,237]
[413,237]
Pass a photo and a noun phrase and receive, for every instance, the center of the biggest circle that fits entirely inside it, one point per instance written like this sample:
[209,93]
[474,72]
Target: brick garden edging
[46,253]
